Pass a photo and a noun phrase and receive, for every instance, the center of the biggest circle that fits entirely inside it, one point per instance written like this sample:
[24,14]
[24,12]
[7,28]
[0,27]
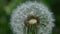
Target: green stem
[31,31]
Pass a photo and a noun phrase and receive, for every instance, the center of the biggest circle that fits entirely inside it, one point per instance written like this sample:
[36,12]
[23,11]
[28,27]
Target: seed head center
[32,21]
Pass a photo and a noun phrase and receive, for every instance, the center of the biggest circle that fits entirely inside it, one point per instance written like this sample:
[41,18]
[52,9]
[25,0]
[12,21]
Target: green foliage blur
[6,7]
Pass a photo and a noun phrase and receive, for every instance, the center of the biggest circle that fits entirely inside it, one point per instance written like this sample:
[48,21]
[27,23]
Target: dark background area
[6,6]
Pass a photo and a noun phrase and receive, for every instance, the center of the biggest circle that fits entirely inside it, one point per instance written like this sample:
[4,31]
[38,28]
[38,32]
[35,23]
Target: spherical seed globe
[34,8]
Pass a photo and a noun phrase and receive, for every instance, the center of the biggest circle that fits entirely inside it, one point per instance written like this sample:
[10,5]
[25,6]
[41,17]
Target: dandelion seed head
[34,8]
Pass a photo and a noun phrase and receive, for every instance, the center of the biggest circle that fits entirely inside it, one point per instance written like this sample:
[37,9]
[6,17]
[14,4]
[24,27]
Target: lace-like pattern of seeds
[24,13]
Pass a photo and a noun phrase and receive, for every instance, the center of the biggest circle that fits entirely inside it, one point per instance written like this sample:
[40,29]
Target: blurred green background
[6,7]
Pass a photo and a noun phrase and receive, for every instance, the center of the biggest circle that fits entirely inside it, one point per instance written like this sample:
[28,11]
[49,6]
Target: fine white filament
[39,9]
